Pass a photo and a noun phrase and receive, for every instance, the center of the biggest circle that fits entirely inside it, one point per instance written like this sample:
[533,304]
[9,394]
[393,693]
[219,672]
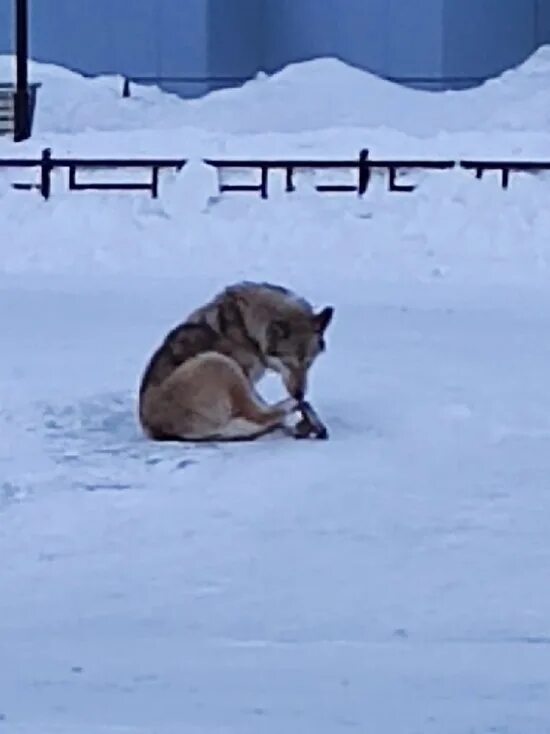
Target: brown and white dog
[200,383]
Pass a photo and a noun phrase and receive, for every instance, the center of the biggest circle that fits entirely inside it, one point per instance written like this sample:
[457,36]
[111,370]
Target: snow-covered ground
[392,579]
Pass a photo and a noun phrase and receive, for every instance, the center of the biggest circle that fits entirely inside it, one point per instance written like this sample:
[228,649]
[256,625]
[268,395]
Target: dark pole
[21,97]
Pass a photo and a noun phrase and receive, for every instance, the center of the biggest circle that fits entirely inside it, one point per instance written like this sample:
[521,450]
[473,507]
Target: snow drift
[316,95]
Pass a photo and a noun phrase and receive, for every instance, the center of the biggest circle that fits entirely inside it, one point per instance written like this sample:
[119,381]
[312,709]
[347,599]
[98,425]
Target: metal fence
[363,167]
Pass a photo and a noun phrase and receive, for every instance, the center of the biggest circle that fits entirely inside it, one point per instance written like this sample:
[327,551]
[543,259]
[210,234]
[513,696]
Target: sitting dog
[200,383]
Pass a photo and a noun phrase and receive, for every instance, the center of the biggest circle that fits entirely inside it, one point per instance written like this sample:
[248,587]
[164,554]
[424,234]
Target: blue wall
[182,43]
[423,43]
[485,37]
[426,43]
[131,37]
[86,36]
[296,30]
[6,26]
[415,42]
[397,39]
[542,20]
[235,39]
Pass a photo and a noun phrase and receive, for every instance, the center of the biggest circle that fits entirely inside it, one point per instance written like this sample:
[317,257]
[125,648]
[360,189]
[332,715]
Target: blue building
[192,46]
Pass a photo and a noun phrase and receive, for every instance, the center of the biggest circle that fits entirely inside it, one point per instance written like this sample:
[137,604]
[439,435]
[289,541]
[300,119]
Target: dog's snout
[295,381]
[298,385]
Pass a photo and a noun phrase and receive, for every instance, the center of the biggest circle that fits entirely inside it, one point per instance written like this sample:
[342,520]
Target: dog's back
[232,323]
[181,344]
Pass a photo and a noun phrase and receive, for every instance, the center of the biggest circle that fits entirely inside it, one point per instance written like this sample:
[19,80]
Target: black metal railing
[505,168]
[363,166]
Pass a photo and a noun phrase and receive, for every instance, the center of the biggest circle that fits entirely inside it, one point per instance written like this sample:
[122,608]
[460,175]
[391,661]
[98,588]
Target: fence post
[155,183]
[264,180]
[364,172]
[45,173]
[126,88]
[289,182]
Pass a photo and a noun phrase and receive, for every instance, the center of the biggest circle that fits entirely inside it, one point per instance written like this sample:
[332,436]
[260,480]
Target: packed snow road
[391,579]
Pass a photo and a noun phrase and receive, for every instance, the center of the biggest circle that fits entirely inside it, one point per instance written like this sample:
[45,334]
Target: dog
[199,385]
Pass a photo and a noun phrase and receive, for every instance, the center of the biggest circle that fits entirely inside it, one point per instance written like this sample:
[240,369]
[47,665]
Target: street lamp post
[21,102]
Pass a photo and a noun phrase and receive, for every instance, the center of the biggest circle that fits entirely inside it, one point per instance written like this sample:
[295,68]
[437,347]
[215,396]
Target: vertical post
[45,173]
[155,183]
[289,179]
[21,96]
[364,172]
[264,180]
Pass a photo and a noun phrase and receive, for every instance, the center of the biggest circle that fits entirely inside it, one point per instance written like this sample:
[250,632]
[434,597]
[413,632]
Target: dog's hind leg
[252,417]
[210,399]
[241,429]
[252,423]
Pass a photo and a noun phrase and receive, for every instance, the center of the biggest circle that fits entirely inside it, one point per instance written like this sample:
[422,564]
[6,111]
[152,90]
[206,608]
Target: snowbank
[309,96]
[452,227]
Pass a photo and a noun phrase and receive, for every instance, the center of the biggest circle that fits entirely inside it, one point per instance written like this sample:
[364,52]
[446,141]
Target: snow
[391,579]
[302,108]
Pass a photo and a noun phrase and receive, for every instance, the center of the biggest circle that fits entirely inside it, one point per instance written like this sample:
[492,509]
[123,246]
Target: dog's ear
[322,319]
[279,330]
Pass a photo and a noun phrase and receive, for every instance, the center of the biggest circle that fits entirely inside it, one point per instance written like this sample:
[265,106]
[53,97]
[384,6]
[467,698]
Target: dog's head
[293,344]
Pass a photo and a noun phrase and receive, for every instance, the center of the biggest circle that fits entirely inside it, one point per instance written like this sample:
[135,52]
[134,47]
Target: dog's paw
[303,429]
[310,425]
[306,429]
[321,433]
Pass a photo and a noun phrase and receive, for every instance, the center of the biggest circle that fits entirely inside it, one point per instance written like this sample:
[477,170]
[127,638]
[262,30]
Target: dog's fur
[199,384]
